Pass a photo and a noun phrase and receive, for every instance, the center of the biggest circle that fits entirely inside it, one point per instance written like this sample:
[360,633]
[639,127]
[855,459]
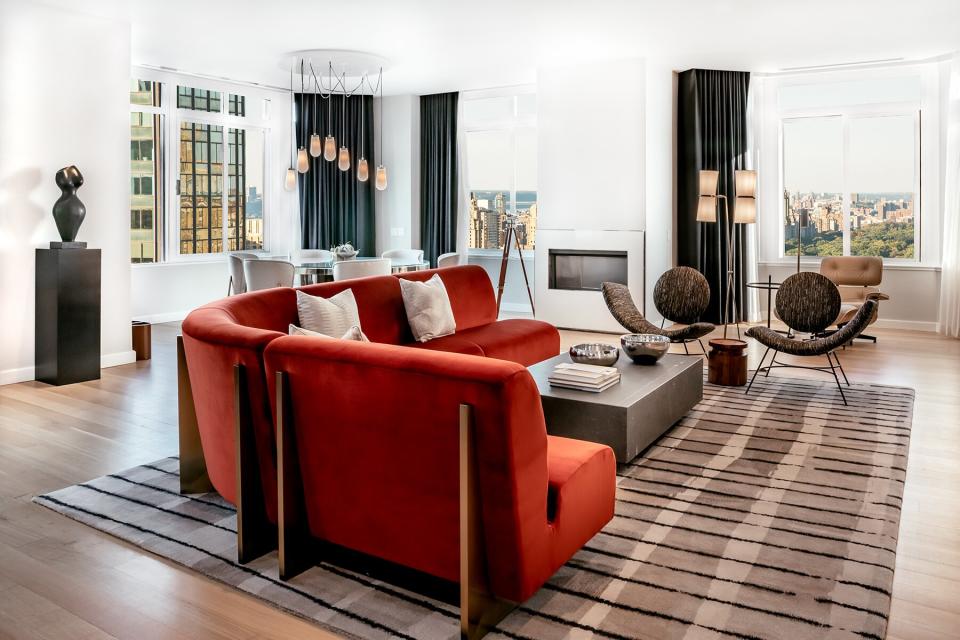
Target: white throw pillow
[331,316]
[353,333]
[428,308]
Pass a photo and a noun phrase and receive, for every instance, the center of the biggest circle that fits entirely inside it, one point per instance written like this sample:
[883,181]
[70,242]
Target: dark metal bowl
[645,348]
[596,353]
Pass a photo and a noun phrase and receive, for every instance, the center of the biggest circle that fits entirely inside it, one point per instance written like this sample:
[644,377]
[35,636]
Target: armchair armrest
[877,295]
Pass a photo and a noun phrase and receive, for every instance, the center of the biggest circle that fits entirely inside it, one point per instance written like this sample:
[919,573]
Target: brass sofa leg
[295,550]
[480,610]
[193,466]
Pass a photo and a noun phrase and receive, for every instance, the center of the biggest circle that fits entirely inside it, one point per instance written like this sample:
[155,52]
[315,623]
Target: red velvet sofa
[236,330]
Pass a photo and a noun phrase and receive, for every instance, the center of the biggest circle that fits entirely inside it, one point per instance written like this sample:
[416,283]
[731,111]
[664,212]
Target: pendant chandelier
[345,84]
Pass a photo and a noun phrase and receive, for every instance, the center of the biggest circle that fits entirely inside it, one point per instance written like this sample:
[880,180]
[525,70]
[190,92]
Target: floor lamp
[745,212]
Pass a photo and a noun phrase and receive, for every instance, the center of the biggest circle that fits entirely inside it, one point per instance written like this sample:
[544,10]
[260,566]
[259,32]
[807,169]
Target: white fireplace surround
[585,310]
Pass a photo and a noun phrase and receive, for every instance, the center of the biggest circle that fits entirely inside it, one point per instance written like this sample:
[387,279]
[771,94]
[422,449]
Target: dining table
[312,271]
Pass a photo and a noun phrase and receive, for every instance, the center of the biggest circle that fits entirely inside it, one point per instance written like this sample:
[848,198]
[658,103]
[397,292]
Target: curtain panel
[439,183]
[712,133]
[335,207]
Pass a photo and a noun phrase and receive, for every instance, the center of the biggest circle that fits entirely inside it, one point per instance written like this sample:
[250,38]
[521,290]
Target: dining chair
[349,269]
[448,260]
[267,274]
[235,260]
[407,256]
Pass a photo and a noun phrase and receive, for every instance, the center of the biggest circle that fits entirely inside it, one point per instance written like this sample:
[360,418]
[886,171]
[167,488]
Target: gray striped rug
[773,515]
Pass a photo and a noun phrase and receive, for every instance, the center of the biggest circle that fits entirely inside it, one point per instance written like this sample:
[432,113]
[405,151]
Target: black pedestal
[67,346]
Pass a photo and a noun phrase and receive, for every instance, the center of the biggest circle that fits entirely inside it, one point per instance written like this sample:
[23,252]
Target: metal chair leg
[840,366]
[702,348]
[833,370]
[757,370]
[686,351]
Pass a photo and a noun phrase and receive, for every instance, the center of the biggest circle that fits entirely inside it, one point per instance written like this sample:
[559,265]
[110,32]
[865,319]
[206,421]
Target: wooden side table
[727,362]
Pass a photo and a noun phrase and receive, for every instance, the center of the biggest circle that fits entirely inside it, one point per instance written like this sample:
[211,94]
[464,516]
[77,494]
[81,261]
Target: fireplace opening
[585,270]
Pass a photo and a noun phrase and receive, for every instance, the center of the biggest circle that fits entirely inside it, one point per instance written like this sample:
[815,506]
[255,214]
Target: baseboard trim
[117,359]
[13,376]
[157,318]
[909,325]
[26,374]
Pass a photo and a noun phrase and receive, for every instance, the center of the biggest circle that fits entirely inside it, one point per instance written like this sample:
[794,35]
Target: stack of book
[584,377]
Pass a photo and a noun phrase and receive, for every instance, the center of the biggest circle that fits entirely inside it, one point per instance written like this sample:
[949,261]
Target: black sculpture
[68,210]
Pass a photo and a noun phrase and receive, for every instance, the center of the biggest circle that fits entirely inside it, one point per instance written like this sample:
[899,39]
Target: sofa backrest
[377,430]
[236,330]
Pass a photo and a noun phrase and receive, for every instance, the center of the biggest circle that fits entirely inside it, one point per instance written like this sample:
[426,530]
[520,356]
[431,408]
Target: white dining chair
[237,282]
[404,256]
[349,269]
[448,260]
[267,274]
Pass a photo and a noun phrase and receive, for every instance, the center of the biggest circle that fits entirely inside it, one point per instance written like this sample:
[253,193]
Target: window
[145,170]
[501,139]
[850,163]
[215,167]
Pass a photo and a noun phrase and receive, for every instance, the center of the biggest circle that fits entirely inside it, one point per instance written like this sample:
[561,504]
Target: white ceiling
[440,45]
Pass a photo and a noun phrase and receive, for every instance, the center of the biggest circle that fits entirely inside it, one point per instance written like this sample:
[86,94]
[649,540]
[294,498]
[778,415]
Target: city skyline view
[881,224]
[489,210]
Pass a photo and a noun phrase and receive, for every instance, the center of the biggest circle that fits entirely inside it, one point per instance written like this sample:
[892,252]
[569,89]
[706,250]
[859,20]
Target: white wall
[398,208]
[169,290]
[591,178]
[660,165]
[64,83]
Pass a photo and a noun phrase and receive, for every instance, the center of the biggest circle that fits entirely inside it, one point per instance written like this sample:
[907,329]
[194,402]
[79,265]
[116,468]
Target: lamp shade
[708,182]
[316,146]
[744,210]
[343,163]
[707,209]
[381,180]
[745,181]
[303,162]
[363,170]
[290,182]
[329,148]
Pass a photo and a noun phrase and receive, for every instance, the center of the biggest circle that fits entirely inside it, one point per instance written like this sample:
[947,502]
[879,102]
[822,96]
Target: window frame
[911,109]
[172,116]
[933,76]
[512,125]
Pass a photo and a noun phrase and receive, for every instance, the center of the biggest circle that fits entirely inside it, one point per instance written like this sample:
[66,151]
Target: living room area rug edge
[769,515]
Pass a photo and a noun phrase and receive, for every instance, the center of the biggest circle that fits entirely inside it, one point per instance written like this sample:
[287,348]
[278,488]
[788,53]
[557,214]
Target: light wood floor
[60,579]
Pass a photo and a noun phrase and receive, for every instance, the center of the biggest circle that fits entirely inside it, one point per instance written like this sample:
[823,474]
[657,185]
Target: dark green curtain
[438,175]
[711,134]
[335,207]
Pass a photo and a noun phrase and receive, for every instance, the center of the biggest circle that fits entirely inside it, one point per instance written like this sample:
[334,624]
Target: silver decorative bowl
[645,348]
[345,255]
[602,355]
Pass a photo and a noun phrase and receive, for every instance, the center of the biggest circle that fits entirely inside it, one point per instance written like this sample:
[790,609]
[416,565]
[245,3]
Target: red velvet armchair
[438,462]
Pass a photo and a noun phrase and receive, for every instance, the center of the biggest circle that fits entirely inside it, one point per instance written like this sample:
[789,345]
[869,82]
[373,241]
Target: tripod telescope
[510,238]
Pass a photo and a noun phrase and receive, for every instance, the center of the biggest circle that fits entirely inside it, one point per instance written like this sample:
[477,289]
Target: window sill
[528,254]
[815,264]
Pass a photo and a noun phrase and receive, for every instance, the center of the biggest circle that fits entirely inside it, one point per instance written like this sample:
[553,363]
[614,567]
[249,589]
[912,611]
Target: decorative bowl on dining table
[644,348]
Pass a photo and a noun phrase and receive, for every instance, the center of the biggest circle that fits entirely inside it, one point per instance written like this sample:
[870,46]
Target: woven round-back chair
[681,295]
[808,302]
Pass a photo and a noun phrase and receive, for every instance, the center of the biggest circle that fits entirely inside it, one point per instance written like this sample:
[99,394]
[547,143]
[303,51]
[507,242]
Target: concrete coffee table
[630,415]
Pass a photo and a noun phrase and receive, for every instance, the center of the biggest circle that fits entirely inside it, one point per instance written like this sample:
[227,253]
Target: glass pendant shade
[363,171]
[303,162]
[329,148]
[343,163]
[381,181]
[746,183]
[290,182]
[316,147]
[707,209]
[744,210]
[708,182]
